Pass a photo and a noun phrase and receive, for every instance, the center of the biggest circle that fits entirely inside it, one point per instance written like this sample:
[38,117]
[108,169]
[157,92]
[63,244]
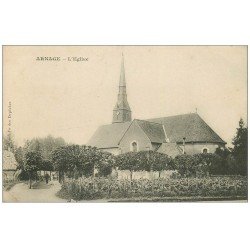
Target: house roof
[108,136]
[154,131]
[170,148]
[191,126]
[9,161]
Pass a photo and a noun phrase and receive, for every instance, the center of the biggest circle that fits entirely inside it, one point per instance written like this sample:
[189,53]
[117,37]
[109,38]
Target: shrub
[106,188]
[198,165]
[105,164]
[185,165]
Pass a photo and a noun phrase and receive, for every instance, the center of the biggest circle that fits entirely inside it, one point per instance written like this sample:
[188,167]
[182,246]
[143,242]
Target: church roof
[154,131]
[170,148]
[108,136]
[191,126]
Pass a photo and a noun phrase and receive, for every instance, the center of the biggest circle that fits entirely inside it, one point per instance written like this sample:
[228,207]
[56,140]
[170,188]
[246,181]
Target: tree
[19,156]
[46,166]
[198,165]
[228,163]
[185,165]
[60,161]
[159,162]
[33,161]
[208,163]
[75,158]
[45,145]
[130,161]
[144,160]
[240,148]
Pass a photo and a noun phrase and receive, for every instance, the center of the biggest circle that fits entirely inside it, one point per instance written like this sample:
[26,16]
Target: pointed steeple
[122,74]
[122,112]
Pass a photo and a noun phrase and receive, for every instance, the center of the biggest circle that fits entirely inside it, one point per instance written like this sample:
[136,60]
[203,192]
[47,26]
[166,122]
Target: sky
[71,99]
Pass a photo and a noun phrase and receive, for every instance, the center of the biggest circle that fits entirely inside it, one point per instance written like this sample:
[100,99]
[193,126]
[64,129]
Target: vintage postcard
[125,124]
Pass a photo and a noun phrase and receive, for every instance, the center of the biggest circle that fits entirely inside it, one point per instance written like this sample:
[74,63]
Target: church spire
[122,74]
[122,112]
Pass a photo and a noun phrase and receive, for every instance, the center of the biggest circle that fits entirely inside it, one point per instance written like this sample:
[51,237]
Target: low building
[9,165]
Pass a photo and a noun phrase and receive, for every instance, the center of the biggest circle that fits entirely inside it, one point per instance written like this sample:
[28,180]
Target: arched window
[134,147]
[205,150]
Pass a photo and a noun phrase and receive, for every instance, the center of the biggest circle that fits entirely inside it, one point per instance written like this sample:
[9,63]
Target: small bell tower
[122,111]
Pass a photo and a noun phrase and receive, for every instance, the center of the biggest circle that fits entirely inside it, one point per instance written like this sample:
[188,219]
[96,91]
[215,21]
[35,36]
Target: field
[161,189]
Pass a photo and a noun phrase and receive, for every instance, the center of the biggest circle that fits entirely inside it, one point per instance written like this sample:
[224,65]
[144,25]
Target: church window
[205,150]
[134,146]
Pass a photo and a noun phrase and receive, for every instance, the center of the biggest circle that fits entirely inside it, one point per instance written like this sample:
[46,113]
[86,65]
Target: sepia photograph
[124,124]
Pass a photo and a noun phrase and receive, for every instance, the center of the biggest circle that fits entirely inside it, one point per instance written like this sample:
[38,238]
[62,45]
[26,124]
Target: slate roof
[191,126]
[154,131]
[108,136]
[170,148]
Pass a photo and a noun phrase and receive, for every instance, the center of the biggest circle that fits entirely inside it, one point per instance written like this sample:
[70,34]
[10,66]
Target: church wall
[196,148]
[134,133]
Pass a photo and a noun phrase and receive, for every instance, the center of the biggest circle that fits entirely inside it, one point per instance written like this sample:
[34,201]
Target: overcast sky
[71,99]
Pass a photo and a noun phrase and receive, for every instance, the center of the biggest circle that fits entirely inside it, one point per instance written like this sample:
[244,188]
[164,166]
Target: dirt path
[41,193]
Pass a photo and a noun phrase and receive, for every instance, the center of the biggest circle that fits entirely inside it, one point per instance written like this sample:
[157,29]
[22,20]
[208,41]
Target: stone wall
[125,174]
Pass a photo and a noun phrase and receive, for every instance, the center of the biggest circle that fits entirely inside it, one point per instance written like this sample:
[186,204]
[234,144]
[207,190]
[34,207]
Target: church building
[172,135]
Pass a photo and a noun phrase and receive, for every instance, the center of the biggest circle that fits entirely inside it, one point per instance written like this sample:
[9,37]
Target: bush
[104,188]
[105,164]
[229,166]
[198,165]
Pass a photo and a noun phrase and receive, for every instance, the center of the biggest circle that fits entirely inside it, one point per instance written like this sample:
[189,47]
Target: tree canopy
[144,161]
[33,163]
[240,148]
[45,145]
[82,159]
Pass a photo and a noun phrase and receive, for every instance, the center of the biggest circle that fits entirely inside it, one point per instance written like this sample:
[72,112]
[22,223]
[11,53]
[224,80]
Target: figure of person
[46,178]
